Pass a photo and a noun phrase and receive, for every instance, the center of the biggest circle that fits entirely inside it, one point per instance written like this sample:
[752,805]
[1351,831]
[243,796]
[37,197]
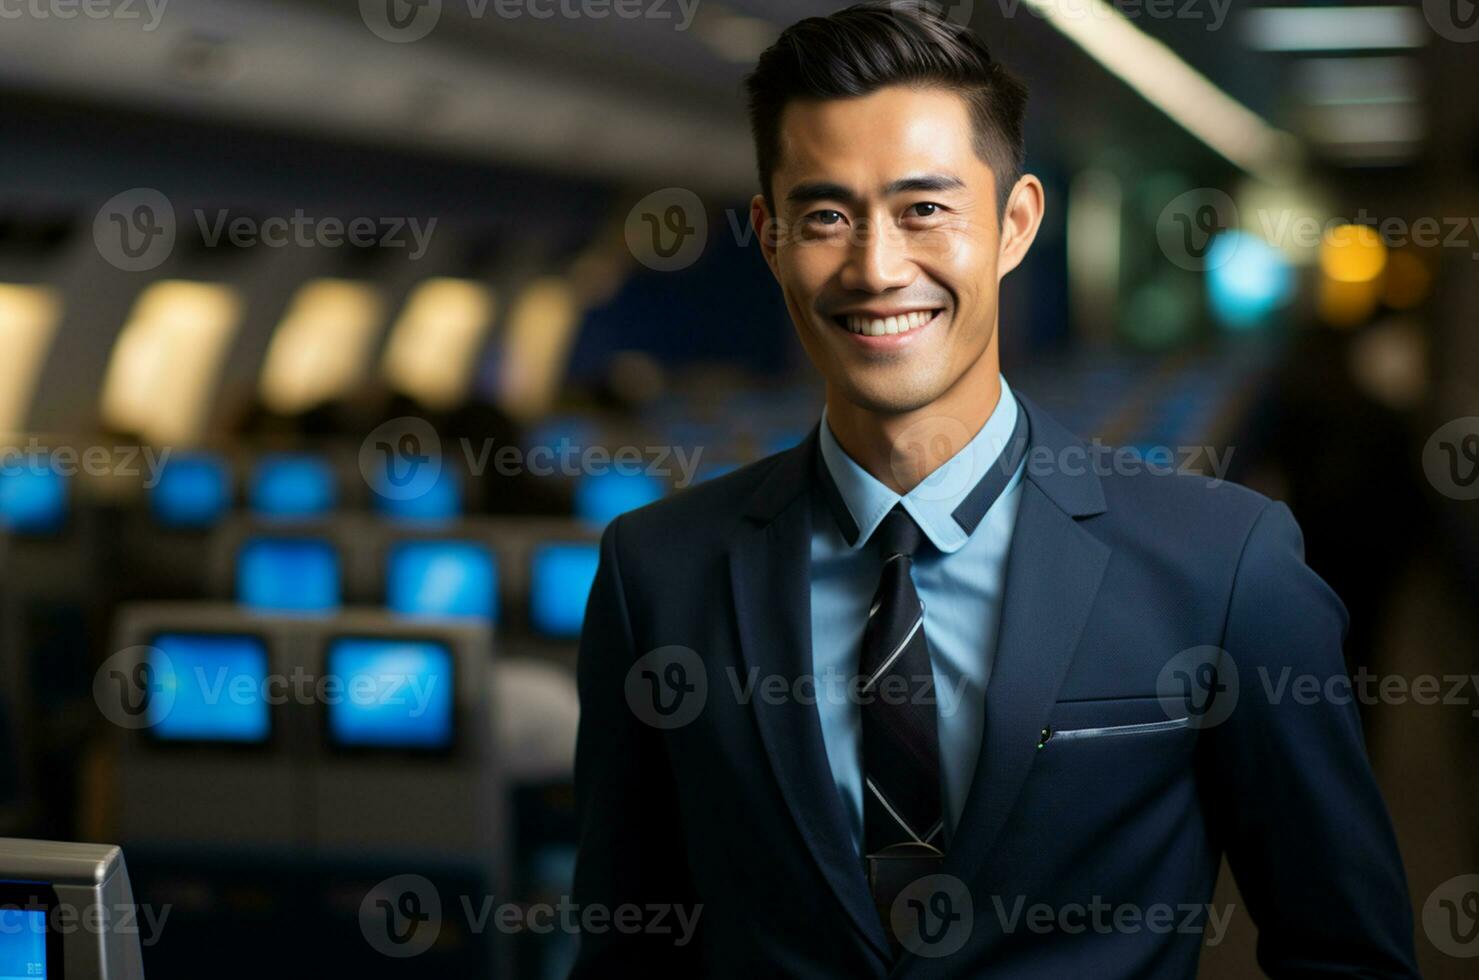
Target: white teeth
[878,327]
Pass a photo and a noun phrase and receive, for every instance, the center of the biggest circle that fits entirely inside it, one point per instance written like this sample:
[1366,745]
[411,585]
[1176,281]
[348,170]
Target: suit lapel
[1053,574]
[770,565]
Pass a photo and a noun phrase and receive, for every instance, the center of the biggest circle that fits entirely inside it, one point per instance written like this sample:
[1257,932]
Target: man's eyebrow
[924,182]
[826,190]
[820,190]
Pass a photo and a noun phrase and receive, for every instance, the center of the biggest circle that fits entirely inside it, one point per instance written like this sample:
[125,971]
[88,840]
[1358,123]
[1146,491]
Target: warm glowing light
[165,363]
[1352,253]
[321,350]
[28,320]
[434,345]
[541,330]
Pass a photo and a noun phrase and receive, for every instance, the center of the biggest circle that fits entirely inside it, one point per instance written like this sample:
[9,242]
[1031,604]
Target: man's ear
[1019,223]
[763,226]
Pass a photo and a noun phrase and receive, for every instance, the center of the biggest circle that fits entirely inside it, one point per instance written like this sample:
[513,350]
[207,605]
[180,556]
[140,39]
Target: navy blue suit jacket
[1110,576]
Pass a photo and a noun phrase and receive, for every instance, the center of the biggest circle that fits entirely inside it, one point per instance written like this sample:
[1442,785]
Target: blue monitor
[22,942]
[292,485]
[390,694]
[442,578]
[194,491]
[561,575]
[33,497]
[288,575]
[601,497]
[439,499]
[208,687]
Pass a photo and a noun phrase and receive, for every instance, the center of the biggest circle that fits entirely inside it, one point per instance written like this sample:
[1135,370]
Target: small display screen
[442,578]
[561,578]
[602,497]
[208,688]
[33,498]
[293,485]
[22,944]
[193,491]
[288,575]
[424,499]
[393,694]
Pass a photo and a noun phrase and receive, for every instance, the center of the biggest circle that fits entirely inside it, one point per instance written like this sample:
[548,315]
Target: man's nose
[878,259]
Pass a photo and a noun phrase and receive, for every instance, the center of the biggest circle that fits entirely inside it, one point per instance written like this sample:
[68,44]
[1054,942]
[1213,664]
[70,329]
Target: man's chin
[899,397]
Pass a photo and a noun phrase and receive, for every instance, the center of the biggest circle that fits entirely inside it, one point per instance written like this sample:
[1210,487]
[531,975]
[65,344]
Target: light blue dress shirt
[959,581]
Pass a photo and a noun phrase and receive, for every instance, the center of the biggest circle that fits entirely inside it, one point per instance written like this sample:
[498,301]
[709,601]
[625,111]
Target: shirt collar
[936,503]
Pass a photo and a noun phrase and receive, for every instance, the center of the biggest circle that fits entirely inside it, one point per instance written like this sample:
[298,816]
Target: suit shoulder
[1184,502]
[701,509]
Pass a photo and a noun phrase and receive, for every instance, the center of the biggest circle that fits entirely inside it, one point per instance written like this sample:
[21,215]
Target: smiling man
[928,695]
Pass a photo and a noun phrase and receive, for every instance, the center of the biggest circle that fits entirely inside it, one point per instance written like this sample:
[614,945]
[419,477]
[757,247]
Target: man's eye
[924,209]
[825,217]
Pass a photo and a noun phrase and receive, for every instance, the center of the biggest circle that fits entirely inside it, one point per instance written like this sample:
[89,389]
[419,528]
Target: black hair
[878,43]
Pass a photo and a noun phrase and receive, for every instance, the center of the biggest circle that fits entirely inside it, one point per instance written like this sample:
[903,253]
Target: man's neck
[901,450]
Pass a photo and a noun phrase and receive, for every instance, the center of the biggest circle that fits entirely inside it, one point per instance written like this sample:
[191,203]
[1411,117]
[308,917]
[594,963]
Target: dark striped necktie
[903,808]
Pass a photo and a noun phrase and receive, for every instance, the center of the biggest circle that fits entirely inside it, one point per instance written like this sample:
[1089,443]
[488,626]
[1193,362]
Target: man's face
[886,243]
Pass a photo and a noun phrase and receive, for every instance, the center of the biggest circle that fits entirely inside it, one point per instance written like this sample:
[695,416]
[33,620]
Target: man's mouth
[868,325]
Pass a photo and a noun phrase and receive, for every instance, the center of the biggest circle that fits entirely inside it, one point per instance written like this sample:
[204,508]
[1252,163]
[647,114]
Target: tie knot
[898,534]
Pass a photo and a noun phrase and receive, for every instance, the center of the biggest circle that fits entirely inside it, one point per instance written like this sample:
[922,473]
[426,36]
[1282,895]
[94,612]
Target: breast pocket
[1112,718]
[1108,763]
[1110,731]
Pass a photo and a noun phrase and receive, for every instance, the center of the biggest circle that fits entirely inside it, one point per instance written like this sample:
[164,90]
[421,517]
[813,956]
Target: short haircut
[879,43]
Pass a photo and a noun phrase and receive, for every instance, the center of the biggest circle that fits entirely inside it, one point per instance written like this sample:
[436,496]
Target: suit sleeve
[1293,797]
[631,850]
